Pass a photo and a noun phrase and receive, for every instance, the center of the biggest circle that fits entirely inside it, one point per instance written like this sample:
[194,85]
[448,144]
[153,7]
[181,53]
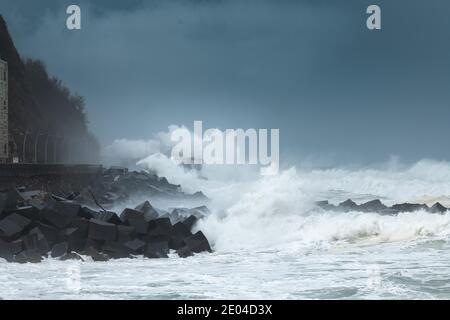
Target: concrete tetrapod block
[13,225]
[100,230]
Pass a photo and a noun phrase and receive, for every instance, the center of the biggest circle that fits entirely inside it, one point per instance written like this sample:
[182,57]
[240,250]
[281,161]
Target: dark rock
[156,238]
[438,208]
[348,205]
[116,250]
[179,232]
[58,198]
[9,249]
[95,255]
[147,209]
[71,256]
[190,221]
[13,225]
[27,196]
[75,237]
[372,206]
[108,216]
[182,229]
[135,219]
[2,204]
[60,214]
[37,204]
[35,241]
[160,226]
[50,233]
[184,252]
[60,249]
[28,256]
[96,244]
[16,246]
[135,246]
[29,212]
[87,213]
[157,250]
[81,223]
[409,207]
[77,240]
[100,230]
[67,232]
[125,233]
[198,243]
[325,205]
[11,200]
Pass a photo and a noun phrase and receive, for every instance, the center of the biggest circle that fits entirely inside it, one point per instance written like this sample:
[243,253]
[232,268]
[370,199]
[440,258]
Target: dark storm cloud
[310,68]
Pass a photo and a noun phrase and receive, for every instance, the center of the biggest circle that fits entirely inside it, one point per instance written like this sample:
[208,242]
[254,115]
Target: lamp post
[36,145]
[55,147]
[46,145]
[25,134]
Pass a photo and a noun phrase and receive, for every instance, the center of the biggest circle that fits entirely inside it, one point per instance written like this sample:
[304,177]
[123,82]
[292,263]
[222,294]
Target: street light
[55,146]
[36,145]
[46,145]
[25,134]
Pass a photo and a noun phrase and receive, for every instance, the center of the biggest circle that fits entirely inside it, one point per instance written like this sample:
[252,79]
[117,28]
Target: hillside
[43,110]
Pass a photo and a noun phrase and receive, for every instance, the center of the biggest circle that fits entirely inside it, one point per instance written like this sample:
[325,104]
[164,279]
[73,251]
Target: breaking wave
[279,212]
[254,212]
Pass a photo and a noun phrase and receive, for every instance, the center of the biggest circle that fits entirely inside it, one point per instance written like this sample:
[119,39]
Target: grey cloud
[310,68]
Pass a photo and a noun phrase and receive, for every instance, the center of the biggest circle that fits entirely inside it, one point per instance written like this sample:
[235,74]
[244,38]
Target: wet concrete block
[157,250]
[135,246]
[190,221]
[347,205]
[29,212]
[147,209]
[160,226]
[51,233]
[100,230]
[9,249]
[75,237]
[179,232]
[87,213]
[409,207]
[198,243]
[184,252]
[13,225]
[35,241]
[59,249]
[27,256]
[116,250]
[135,219]
[125,233]
[108,216]
[372,206]
[438,208]
[60,214]
[95,254]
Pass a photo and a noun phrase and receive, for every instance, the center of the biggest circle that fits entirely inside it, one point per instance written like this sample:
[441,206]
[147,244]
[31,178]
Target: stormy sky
[338,92]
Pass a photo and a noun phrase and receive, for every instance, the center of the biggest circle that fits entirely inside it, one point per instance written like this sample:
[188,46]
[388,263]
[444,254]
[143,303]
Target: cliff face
[43,112]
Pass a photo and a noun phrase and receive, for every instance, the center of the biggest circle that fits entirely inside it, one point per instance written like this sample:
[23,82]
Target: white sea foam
[251,211]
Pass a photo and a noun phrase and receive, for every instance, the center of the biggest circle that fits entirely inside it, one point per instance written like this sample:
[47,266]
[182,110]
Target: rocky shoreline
[35,224]
[376,206]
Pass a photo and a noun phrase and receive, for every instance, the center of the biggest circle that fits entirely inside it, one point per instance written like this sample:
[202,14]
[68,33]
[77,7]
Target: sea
[270,241]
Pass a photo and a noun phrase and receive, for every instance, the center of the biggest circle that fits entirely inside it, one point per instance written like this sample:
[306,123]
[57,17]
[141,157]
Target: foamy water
[270,241]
